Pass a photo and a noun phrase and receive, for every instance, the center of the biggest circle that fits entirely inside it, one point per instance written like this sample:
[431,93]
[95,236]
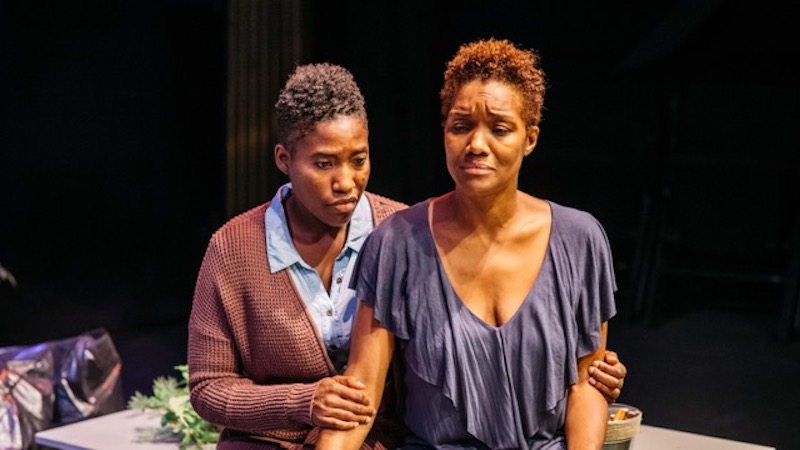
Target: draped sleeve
[385,264]
[596,300]
[585,275]
[398,275]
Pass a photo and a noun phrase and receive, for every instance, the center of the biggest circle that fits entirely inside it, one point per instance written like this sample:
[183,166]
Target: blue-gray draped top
[470,384]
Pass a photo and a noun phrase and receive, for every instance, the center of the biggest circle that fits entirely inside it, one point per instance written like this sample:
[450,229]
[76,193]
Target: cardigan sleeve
[220,391]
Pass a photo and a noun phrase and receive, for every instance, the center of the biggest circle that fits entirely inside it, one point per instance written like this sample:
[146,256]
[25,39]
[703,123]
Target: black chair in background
[718,226]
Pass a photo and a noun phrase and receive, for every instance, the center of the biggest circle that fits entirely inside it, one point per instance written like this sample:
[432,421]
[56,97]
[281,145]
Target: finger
[605,379]
[349,381]
[599,381]
[348,410]
[622,369]
[330,411]
[610,395]
[342,417]
[344,403]
[338,386]
[353,395]
[334,423]
[609,377]
[611,357]
[616,370]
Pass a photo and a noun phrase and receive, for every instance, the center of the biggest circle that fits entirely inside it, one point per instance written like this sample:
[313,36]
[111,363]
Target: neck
[491,212]
[317,243]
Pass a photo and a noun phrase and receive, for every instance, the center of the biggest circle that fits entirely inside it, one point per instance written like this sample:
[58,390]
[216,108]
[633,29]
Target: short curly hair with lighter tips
[501,60]
[316,93]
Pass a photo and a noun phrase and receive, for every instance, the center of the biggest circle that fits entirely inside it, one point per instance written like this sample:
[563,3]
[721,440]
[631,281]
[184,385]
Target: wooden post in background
[264,43]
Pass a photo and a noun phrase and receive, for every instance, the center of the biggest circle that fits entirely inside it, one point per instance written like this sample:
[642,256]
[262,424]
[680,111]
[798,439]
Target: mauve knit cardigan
[254,354]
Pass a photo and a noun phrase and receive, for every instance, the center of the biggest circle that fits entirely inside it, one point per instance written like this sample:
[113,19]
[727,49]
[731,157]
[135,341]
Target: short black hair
[316,93]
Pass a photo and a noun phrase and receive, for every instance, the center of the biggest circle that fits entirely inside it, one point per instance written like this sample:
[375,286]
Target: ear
[283,158]
[531,139]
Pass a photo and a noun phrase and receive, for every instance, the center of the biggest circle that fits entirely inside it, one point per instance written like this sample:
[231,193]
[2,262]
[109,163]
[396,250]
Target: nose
[344,179]
[477,142]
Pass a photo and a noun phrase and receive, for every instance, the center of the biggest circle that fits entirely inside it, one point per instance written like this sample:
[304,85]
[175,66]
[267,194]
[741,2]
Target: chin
[338,221]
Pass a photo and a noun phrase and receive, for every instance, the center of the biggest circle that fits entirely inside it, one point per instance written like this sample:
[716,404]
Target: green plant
[171,399]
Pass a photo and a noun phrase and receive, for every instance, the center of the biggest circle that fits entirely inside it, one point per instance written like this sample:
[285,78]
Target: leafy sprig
[171,399]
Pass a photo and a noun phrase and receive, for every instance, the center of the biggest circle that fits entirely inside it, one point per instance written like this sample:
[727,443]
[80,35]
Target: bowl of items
[623,424]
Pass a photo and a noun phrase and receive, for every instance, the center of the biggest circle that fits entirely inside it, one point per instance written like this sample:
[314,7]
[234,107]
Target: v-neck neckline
[451,291]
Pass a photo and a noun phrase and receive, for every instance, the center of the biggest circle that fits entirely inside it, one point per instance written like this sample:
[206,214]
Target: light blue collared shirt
[332,312]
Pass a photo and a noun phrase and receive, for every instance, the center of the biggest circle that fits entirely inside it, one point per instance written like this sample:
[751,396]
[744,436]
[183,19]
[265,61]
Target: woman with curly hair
[272,312]
[497,300]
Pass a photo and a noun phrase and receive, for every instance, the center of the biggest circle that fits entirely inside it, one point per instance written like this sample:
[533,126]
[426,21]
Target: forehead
[492,96]
[343,133]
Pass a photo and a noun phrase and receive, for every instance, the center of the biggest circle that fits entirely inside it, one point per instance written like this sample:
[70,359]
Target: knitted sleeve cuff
[300,402]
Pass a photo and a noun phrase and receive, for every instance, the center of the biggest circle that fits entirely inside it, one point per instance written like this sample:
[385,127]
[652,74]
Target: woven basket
[622,430]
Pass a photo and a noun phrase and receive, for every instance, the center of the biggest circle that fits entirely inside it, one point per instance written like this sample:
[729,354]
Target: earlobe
[531,139]
[282,158]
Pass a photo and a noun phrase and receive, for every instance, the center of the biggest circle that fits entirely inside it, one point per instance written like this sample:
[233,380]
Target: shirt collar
[281,252]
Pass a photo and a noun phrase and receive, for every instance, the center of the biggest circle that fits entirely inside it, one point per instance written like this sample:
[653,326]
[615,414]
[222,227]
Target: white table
[655,438]
[121,431]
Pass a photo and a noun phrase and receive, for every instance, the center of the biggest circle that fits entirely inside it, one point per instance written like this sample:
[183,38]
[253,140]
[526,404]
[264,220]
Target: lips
[476,168]
[344,205]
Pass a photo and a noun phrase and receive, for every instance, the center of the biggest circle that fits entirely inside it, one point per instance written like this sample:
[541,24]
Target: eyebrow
[502,115]
[336,154]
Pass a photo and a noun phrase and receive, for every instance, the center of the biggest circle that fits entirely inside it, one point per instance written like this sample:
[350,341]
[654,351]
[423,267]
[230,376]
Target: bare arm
[371,348]
[587,408]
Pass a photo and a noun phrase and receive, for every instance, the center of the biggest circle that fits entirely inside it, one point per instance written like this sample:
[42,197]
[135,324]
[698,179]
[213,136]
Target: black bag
[89,382]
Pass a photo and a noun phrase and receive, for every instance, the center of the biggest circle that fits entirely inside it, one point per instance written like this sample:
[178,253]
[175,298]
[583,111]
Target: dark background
[675,123]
